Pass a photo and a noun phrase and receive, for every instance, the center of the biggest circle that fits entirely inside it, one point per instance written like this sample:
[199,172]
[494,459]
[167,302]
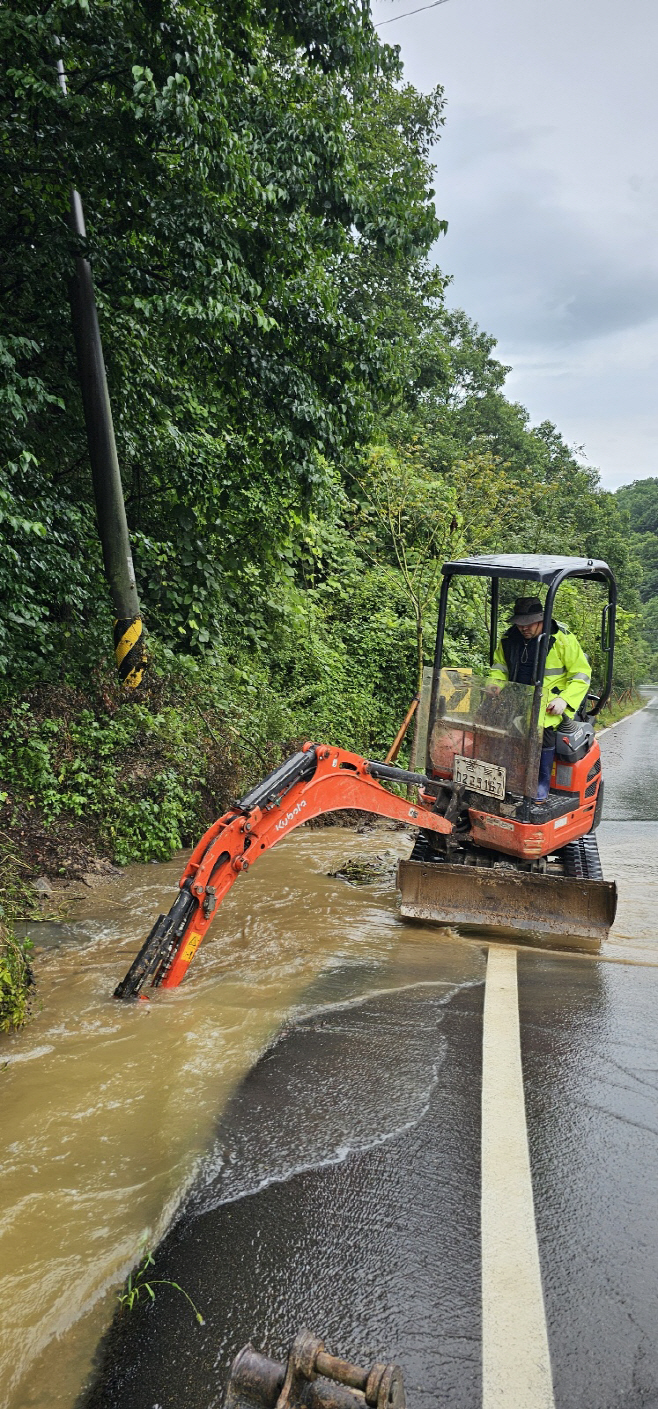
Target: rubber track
[422,849]
[581,859]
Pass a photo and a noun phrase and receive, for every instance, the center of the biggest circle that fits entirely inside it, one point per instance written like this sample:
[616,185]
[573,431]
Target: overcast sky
[547,173]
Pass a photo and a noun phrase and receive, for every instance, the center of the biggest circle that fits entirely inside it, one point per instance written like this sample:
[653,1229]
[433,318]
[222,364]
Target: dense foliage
[640,502]
[16,980]
[305,429]
[254,180]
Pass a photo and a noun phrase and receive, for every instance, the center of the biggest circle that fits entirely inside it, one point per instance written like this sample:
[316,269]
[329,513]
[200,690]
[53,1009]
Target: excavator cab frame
[550,571]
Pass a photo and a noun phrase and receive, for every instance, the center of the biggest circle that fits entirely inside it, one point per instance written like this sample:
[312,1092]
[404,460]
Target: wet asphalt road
[344,1187]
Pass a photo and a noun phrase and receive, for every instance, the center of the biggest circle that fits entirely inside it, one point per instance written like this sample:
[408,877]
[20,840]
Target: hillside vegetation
[306,429]
[640,502]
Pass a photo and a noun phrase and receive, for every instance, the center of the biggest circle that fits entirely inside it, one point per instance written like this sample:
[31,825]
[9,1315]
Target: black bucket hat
[527,610]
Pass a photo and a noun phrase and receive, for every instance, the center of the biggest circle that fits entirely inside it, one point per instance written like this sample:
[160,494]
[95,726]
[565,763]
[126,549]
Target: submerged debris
[365,870]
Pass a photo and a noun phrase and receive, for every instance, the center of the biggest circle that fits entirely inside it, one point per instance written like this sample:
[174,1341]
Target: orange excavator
[487,857]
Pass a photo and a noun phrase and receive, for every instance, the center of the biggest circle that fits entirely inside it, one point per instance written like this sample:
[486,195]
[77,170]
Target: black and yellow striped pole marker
[129,650]
[129,646]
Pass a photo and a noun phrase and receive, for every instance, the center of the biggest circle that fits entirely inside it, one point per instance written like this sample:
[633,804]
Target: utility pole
[129,646]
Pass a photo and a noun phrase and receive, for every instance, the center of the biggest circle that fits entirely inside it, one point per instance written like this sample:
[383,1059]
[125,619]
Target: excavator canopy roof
[530,567]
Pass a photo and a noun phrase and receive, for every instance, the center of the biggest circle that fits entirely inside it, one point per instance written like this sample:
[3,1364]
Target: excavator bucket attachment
[552,911]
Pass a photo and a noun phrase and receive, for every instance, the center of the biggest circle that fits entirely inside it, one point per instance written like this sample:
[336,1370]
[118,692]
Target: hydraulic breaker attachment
[311,1379]
[318,779]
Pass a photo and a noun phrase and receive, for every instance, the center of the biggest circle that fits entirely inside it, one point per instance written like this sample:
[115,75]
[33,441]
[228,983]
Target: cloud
[546,173]
[568,286]
[527,262]
[601,395]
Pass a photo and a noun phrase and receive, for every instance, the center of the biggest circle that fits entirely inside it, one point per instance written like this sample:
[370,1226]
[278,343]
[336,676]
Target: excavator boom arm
[319,779]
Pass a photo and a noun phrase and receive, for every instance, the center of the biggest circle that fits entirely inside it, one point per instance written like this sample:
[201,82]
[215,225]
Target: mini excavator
[487,858]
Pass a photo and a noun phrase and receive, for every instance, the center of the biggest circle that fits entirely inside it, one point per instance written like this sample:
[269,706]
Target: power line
[411,12]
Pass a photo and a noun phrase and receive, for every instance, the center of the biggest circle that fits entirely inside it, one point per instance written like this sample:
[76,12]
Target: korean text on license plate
[480,777]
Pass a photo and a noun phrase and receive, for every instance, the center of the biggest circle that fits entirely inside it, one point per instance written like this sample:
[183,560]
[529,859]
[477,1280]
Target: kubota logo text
[290,816]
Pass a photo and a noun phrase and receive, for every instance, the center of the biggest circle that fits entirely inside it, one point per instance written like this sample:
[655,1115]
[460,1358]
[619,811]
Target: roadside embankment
[98,778]
[620,706]
[95,779]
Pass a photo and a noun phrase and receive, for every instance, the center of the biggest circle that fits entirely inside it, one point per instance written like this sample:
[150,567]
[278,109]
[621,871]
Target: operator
[567,674]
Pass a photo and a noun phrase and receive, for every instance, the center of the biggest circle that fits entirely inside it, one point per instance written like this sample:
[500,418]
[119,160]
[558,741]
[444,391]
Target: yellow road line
[515,1356]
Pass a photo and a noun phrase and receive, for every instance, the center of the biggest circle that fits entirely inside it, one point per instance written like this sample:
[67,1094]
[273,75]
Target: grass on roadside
[16,980]
[619,706]
[16,976]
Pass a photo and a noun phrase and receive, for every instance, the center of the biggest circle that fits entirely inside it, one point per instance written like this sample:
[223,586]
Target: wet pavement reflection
[305,1113]
[591,1085]
[628,834]
[364,1242]
[630,759]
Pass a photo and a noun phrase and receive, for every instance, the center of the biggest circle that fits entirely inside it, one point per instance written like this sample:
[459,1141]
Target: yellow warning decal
[191,947]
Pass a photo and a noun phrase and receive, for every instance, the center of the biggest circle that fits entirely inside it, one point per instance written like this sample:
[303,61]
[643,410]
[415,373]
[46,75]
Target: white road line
[515,1357]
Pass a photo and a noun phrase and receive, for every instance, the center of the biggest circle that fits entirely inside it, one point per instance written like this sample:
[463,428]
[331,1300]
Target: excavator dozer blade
[552,911]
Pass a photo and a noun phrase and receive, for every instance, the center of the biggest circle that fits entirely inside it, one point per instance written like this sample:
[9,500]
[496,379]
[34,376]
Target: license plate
[480,777]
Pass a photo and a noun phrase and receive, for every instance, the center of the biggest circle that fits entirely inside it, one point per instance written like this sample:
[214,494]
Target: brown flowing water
[108,1110]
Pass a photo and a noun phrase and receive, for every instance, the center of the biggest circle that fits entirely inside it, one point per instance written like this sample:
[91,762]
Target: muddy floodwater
[107,1111]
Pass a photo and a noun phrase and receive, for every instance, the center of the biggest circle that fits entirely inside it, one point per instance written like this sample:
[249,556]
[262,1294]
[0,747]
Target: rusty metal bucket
[551,911]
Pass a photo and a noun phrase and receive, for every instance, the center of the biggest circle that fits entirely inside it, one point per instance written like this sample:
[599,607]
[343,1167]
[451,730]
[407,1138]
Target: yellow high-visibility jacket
[567,674]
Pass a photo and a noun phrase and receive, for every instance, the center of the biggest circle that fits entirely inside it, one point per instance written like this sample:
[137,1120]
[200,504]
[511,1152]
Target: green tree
[415,512]
[253,177]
